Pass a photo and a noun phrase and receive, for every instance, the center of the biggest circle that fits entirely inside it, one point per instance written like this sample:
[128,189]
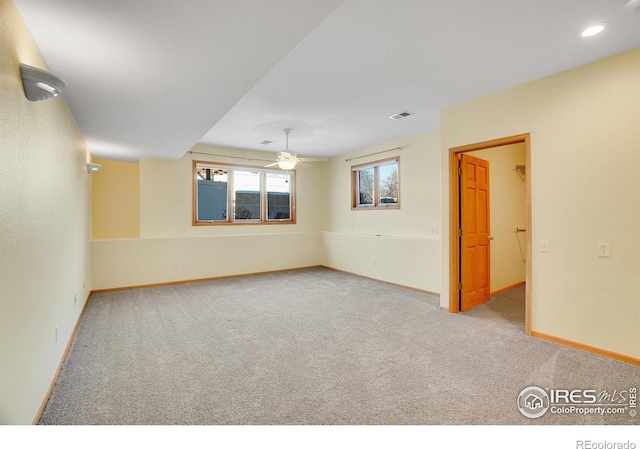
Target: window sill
[243,223]
[393,207]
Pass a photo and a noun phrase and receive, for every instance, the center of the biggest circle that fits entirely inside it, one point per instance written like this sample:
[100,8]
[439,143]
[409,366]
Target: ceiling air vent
[400,115]
[266,142]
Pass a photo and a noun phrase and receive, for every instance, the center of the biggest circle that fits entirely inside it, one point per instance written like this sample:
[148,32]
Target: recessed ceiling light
[400,115]
[593,30]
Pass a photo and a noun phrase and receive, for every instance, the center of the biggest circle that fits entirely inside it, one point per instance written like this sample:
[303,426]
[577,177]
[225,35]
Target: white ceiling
[152,78]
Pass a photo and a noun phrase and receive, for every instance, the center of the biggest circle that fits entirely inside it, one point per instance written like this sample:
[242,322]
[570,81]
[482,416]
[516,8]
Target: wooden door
[475,238]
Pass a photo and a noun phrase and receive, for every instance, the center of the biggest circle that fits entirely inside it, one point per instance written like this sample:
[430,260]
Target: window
[225,194]
[376,185]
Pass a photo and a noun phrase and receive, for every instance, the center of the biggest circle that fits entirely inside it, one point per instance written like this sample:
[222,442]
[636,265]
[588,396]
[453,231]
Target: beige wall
[168,239]
[585,180]
[508,211]
[132,262]
[166,196]
[45,223]
[400,246]
[116,200]
[585,168]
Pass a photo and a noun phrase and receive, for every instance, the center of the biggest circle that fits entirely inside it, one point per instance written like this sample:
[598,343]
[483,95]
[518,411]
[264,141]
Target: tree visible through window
[376,185]
[365,186]
[389,183]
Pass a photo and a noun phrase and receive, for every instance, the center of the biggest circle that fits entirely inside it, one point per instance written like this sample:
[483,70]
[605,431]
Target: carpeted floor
[313,346]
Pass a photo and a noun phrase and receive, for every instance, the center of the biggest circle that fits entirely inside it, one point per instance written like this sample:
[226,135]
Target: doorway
[455,228]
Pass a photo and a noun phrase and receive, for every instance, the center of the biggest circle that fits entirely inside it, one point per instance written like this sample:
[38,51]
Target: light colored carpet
[312,346]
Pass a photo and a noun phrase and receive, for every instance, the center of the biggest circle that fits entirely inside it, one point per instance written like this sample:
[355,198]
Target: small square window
[376,185]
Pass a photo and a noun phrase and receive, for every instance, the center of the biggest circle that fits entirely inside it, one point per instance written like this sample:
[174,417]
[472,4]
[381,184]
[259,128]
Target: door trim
[454,227]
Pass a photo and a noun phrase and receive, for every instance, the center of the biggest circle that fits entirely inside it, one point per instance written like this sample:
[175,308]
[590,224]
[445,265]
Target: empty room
[320,212]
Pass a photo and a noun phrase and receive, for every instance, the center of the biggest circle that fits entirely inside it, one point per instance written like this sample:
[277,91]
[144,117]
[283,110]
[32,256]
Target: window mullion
[231,200]
[356,175]
[292,195]
[263,197]
[376,186]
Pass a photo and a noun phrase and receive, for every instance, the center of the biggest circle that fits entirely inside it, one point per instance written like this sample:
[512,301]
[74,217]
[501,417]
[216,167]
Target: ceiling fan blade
[272,165]
[285,155]
[313,159]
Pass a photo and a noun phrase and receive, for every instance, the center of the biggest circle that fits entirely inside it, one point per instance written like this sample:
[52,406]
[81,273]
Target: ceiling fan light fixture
[286,160]
[286,164]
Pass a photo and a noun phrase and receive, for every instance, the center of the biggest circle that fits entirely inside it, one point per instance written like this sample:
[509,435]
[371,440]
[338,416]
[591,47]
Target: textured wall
[45,228]
[585,180]
[397,245]
[116,200]
[169,240]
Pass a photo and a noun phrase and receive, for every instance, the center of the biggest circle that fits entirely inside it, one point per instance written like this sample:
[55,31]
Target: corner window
[225,195]
[376,185]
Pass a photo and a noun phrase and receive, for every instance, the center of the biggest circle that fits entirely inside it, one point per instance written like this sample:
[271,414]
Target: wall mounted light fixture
[40,84]
[92,168]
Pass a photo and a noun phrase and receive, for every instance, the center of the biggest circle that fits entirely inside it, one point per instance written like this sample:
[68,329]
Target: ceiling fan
[287,160]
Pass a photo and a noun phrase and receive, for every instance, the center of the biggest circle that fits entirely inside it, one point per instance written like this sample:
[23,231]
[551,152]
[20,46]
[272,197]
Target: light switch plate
[545,246]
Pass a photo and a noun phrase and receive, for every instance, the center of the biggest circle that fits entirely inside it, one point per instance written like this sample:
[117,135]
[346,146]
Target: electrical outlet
[56,333]
[545,246]
[75,299]
[603,250]
[176,266]
[373,263]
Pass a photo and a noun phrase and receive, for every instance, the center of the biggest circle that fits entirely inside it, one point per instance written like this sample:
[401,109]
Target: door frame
[454,225]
